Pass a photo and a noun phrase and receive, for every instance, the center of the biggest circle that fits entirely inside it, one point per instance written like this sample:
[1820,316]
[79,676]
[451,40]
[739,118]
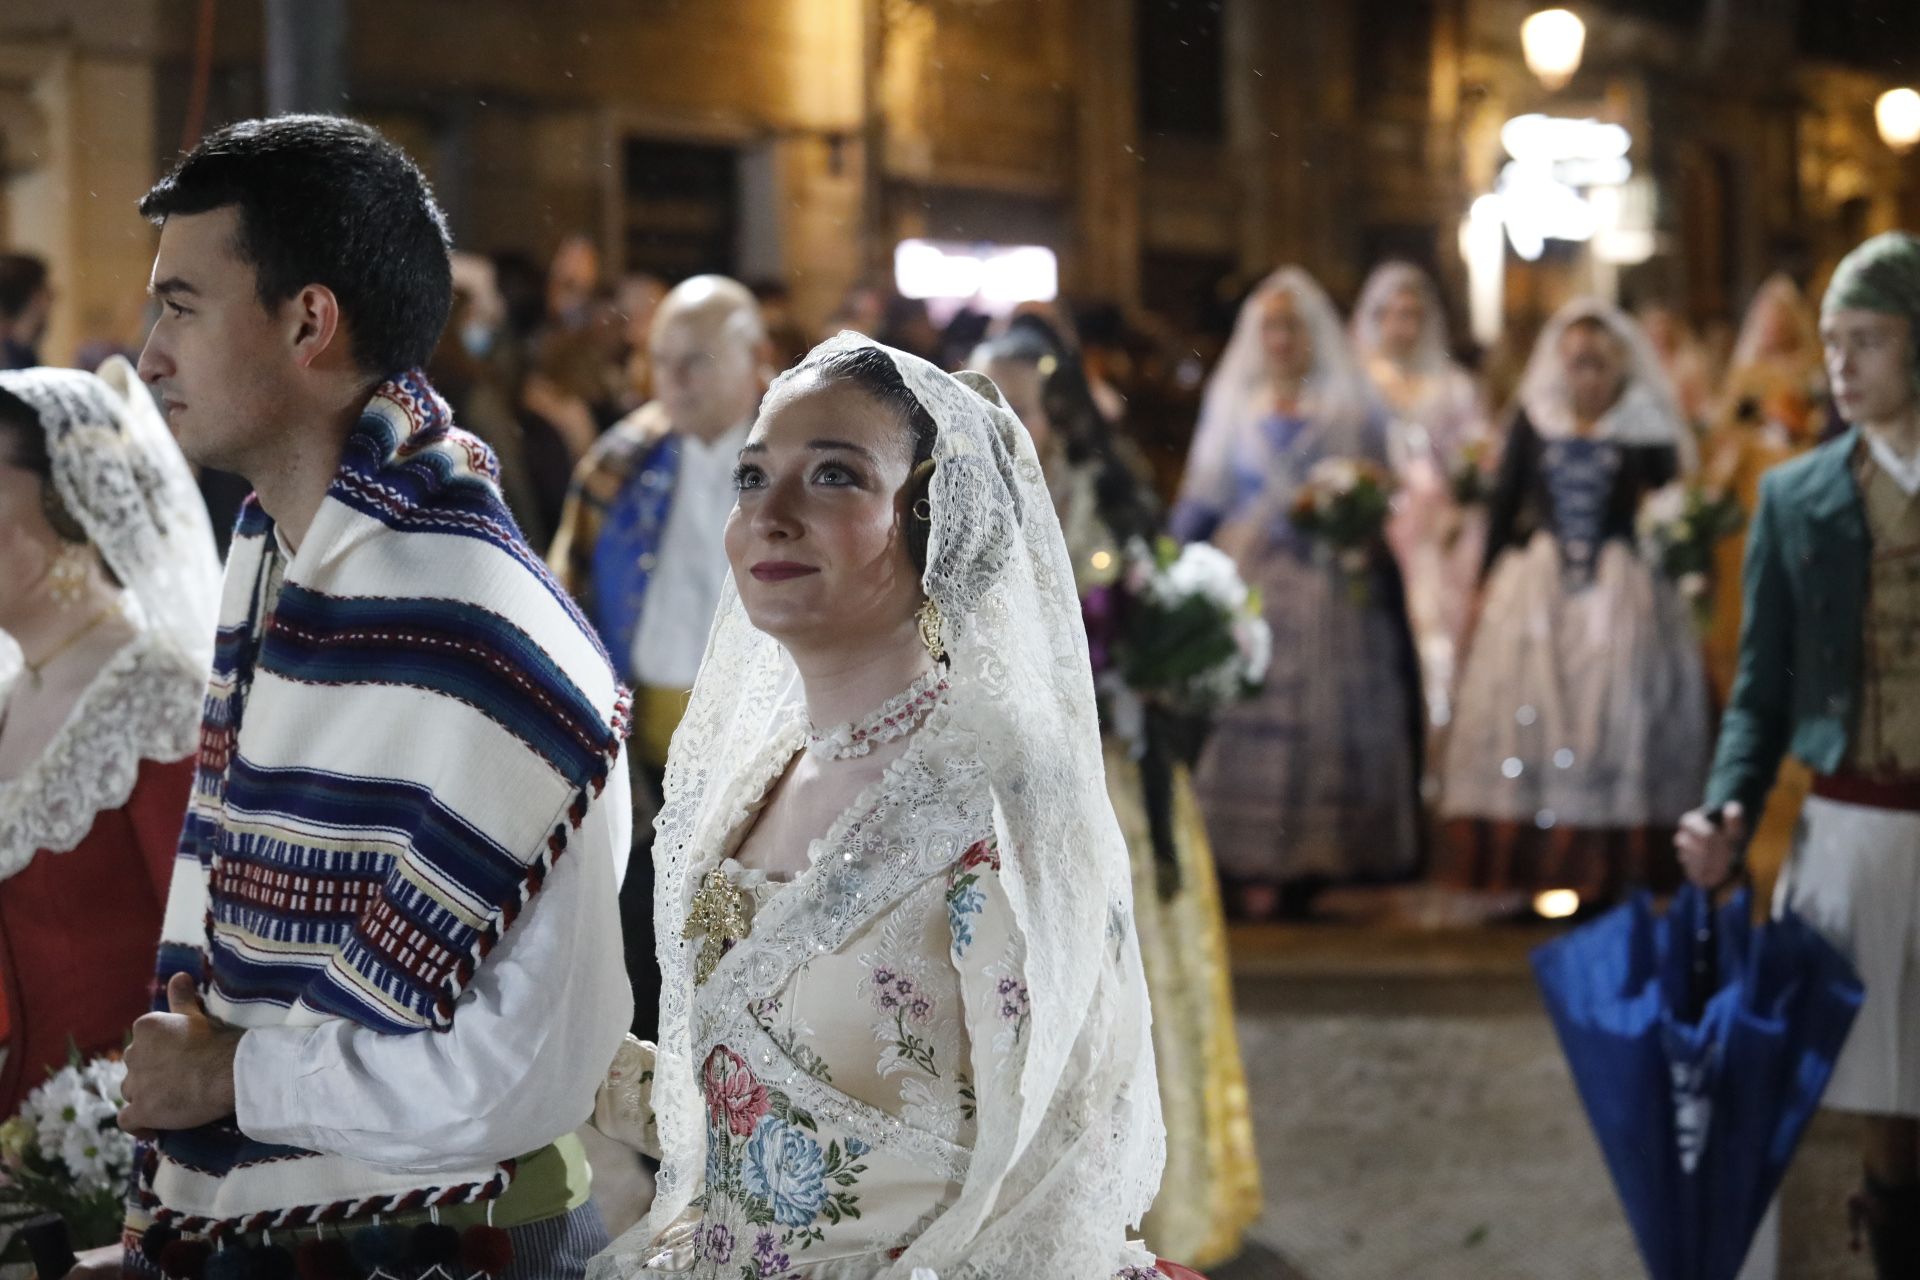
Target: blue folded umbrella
[1700,1045]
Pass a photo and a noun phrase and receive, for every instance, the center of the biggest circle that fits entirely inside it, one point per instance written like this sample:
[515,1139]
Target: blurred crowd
[567,371]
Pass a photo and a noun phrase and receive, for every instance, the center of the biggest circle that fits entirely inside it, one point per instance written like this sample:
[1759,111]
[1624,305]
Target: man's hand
[1707,849]
[179,1066]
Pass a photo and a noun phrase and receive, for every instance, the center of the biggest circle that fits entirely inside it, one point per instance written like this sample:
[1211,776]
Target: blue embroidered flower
[856,1148]
[787,1169]
[962,903]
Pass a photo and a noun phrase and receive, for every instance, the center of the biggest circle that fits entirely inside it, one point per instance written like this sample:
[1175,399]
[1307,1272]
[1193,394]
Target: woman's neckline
[109,671]
[756,786]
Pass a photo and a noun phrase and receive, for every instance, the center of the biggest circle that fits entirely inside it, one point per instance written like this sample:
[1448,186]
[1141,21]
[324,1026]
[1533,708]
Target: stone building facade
[1160,147]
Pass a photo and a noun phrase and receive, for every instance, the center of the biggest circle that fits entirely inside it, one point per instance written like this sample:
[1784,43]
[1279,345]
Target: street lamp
[1898,114]
[1552,41]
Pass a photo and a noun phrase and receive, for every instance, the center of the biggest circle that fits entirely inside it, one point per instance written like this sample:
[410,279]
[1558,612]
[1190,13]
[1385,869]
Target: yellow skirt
[1211,1192]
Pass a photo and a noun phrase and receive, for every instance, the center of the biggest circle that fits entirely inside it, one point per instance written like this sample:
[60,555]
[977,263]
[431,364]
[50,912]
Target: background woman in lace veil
[1211,1193]
[903,1019]
[1772,408]
[1436,435]
[108,585]
[1316,779]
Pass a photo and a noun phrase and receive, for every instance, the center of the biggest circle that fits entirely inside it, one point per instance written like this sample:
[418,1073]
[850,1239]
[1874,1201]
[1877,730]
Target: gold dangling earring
[929,619]
[67,575]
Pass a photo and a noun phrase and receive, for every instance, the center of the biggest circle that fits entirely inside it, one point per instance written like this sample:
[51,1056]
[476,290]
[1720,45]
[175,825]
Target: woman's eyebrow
[818,446]
[823,446]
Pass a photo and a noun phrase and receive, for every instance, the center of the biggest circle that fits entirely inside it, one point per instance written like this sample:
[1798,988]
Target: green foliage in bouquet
[1680,526]
[1180,629]
[1172,642]
[1344,503]
[1469,482]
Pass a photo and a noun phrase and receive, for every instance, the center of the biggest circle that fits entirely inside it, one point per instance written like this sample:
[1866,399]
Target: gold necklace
[35,668]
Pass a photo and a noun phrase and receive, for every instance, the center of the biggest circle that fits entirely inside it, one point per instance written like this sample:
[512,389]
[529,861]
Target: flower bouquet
[1175,637]
[1679,525]
[1179,628]
[64,1154]
[1344,503]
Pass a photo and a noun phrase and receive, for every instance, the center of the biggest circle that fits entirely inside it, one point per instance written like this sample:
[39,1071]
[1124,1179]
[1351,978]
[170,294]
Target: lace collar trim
[144,705]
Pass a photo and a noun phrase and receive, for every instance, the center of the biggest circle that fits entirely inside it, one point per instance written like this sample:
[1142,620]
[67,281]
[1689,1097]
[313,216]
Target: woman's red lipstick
[780,570]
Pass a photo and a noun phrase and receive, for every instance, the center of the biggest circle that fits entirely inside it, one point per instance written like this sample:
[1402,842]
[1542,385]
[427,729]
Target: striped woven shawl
[404,727]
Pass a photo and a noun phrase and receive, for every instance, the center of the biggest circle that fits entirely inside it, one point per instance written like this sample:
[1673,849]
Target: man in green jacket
[1830,671]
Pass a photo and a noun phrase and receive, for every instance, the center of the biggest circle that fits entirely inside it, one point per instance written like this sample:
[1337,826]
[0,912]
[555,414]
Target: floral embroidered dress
[842,1089]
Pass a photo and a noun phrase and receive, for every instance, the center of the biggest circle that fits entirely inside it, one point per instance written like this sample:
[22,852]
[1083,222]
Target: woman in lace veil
[1317,778]
[1582,713]
[903,1022]
[1436,434]
[108,587]
[1400,337]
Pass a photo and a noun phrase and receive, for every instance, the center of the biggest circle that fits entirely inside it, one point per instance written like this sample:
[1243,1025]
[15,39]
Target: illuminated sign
[1557,163]
[994,276]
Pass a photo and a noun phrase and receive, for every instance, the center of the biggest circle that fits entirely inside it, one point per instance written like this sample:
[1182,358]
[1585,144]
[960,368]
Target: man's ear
[314,323]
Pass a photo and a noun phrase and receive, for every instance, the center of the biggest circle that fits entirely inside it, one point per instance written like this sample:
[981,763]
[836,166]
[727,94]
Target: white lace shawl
[1431,358]
[144,705]
[1066,1160]
[1646,413]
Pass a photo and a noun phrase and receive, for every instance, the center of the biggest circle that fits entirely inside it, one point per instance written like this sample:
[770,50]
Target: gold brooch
[716,912]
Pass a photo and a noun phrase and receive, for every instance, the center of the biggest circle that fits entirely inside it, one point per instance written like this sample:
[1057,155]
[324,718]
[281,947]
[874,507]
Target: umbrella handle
[1706,942]
[1706,963]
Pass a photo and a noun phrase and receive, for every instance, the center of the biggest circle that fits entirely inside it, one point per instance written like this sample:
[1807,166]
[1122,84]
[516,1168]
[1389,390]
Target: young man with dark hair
[391,963]
[1830,671]
[26,299]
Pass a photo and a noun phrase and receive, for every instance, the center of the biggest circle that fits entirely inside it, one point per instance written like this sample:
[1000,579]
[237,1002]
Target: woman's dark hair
[23,444]
[872,370]
[1124,503]
[326,200]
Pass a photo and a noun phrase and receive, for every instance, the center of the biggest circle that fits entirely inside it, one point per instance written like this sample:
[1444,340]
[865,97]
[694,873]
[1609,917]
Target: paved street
[1415,1119]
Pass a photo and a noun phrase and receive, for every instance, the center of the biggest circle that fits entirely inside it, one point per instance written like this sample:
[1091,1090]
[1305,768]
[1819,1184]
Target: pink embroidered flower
[734,1097]
[986,853]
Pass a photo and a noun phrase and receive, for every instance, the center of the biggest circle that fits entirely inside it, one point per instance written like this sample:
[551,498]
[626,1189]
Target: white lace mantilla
[1064,1147]
[144,705]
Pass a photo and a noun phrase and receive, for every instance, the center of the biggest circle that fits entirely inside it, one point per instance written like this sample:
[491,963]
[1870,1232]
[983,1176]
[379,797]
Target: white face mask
[477,339]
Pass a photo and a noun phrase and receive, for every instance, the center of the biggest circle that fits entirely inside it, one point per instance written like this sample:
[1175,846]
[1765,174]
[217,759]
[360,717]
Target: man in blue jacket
[1830,671]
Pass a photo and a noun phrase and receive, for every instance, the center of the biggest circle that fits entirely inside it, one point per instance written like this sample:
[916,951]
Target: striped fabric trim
[448,647]
[408,467]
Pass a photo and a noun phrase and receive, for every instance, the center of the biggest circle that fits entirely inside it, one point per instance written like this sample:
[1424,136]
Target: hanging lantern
[1553,40]
[1898,114]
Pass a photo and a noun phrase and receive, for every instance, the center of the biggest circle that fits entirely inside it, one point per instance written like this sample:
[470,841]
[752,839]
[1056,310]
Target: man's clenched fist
[179,1066]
